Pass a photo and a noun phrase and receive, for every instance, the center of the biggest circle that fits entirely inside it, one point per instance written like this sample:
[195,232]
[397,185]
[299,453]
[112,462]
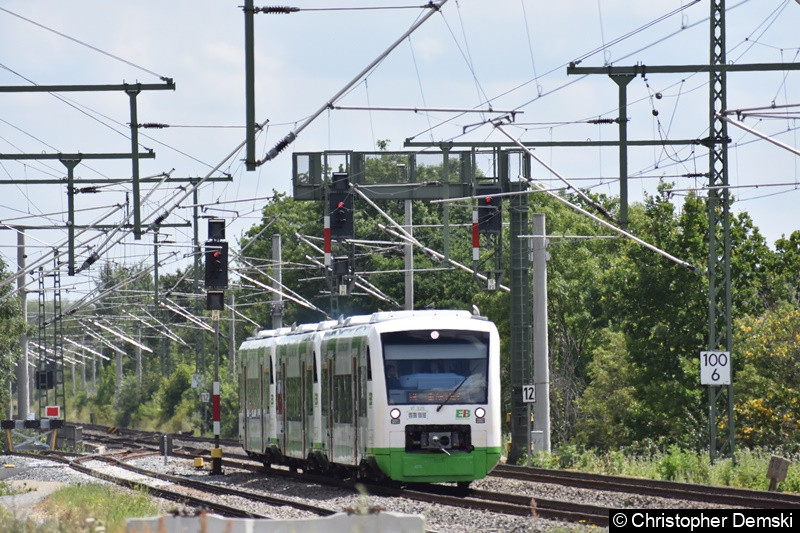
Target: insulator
[278,148]
[154,125]
[276,10]
[90,260]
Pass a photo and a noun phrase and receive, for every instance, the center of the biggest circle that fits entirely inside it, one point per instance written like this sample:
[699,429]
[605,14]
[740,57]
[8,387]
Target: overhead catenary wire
[172,306]
[283,291]
[51,351]
[757,133]
[360,281]
[159,326]
[401,233]
[630,236]
[433,7]
[57,248]
[102,339]
[87,45]
[86,300]
[270,289]
[81,346]
[121,336]
[541,94]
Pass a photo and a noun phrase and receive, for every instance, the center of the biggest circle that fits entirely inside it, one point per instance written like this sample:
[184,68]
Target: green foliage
[675,464]
[625,324]
[229,403]
[681,465]
[768,379]
[11,327]
[72,505]
[784,270]
[661,309]
[174,391]
[72,509]
[607,405]
[133,407]
[5,489]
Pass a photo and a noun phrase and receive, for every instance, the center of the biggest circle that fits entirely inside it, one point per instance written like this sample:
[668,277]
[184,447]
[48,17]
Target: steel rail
[649,487]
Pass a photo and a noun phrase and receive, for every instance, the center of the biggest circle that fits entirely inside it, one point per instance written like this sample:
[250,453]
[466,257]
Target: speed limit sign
[715,368]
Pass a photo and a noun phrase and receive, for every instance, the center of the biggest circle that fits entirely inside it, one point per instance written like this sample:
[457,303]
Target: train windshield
[426,366]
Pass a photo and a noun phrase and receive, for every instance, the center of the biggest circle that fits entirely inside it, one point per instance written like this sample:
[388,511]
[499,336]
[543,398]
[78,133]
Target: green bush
[676,464]
[682,465]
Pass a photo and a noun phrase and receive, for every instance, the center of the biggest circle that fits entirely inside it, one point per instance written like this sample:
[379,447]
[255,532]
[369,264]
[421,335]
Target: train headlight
[480,412]
[395,414]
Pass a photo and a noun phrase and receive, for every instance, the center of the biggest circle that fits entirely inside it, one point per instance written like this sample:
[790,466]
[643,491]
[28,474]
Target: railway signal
[216,264]
[341,213]
[490,214]
[216,280]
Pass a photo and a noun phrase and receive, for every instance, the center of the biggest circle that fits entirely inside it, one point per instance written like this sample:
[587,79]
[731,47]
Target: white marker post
[529,397]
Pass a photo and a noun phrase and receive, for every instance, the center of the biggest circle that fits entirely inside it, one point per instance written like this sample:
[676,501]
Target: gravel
[438,518]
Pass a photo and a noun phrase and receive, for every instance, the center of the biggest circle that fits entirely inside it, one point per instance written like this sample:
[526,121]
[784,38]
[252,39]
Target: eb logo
[462,413]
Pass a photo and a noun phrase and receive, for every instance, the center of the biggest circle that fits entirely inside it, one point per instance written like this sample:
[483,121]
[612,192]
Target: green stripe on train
[433,467]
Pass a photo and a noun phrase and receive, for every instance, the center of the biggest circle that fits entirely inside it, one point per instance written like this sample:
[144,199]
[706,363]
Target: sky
[511,53]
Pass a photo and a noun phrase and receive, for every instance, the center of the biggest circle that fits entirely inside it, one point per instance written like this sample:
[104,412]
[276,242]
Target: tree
[785,270]
[768,384]
[661,309]
[608,404]
[575,303]
[11,327]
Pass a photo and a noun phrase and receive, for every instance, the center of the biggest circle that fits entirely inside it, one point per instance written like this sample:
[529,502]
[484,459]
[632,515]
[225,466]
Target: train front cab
[438,418]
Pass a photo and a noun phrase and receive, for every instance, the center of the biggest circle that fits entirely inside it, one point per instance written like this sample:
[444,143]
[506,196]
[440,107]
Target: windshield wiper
[452,393]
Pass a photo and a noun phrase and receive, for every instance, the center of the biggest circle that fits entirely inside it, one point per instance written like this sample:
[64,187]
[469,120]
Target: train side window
[369,366]
[271,377]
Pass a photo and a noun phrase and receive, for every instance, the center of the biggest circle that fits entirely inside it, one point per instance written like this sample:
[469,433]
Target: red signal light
[488,200]
[216,255]
[340,205]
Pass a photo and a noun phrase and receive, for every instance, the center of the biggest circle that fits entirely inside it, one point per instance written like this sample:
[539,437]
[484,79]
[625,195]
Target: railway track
[513,504]
[197,498]
[497,502]
[728,496]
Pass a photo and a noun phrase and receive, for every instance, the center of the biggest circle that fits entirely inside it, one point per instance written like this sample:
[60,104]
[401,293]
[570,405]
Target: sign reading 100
[715,368]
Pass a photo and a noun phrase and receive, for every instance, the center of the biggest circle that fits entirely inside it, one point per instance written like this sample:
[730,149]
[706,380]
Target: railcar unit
[413,396]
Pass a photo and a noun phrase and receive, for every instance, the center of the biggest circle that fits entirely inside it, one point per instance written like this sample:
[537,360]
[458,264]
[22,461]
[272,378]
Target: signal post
[216,257]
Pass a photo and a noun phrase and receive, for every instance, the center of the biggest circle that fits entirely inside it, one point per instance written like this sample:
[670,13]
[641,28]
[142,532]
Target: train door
[243,411]
[252,404]
[329,402]
[356,388]
[363,391]
[265,362]
[272,421]
[308,407]
[261,408]
[281,406]
[304,384]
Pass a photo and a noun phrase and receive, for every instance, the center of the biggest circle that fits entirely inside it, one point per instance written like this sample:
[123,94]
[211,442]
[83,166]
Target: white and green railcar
[410,395]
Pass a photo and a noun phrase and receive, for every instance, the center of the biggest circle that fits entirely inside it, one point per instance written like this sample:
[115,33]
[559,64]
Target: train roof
[383,316]
[359,320]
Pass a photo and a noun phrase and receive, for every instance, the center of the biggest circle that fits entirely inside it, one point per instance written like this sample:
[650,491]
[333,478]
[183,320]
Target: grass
[5,489]
[83,508]
[674,464]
